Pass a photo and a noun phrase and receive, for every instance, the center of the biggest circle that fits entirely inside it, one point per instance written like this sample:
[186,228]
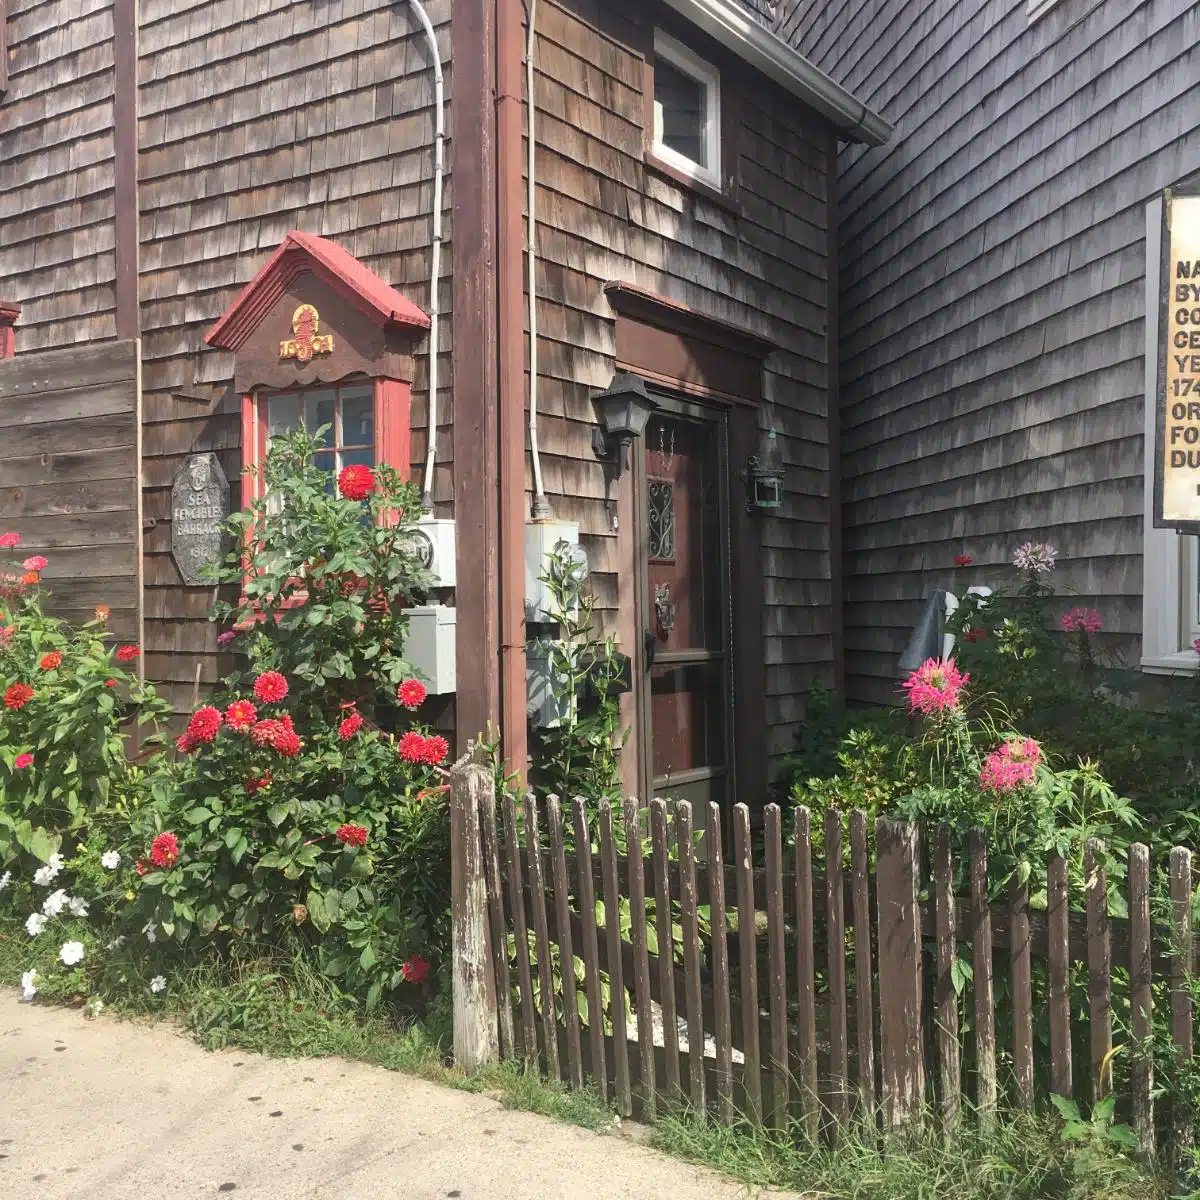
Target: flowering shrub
[66,693]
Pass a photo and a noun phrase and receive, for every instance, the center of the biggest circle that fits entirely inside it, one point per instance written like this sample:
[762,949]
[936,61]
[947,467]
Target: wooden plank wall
[760,263]
[68,476]
[56,172]
[255,121]
[992,305]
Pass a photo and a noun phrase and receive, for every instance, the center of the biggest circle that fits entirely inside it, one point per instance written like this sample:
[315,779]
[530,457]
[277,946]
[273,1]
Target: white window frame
[1170,583]
[709,78]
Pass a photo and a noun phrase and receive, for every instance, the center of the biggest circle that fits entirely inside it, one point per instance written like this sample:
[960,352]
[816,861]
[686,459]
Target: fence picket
[776,967]
[839,1067]
[747,952]
[1141,996]
[1060,977]
[641,961]
[691,954]
[985,1016]
[863,964]
[566,948]
[495,899]
[806,1017]
[666,945]
[1099,954]
[516,896]
[541,936]
[720,965]
[1022,991]
[1183,962]
[591,947]
[616,978]
[949,1053]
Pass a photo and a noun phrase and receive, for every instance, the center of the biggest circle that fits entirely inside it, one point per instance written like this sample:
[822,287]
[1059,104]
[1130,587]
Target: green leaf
[1067,1109]
[43,844]
[1123,1136]
[278,813]
[195,815]
[367,958]
[317,912]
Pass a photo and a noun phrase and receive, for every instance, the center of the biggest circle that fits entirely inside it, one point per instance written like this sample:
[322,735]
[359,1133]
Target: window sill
[1186,662]
[660,166]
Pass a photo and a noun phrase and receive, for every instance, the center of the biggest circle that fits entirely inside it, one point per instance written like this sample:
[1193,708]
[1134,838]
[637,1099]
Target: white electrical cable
[436,267]
[541,506]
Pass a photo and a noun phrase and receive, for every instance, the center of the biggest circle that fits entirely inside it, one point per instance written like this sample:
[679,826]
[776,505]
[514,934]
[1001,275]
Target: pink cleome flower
[1196,645]
[1011,765]
[1082,620]
[934,686]
[1035,558]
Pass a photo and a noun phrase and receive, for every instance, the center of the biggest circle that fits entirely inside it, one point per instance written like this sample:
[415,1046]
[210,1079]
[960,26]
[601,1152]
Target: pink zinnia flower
[22,761]
[934,687]
[35,562]
[1082,620]
[9,540]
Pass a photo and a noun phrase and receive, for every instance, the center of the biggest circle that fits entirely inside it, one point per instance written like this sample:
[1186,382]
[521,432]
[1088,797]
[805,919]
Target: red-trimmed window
[367,420]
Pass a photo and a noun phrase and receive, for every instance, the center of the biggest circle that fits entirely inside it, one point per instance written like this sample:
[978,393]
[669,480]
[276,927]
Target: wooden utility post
[476,1040]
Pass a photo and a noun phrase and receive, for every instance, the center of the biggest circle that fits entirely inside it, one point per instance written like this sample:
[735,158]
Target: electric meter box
[432,540]
[541,537]
[430,646]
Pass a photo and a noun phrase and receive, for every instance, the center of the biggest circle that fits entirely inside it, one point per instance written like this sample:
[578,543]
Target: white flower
[44,876]
[151,932]
[78,906]
[94,1007]
[110,860]
[34,924]
[1035,558]
[158,984]
[28,986]
[4,880]
[116,943]
[70,953]
[55,902]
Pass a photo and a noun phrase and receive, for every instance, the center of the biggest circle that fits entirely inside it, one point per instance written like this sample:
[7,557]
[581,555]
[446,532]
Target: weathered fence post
[901,1046]
[476,1040]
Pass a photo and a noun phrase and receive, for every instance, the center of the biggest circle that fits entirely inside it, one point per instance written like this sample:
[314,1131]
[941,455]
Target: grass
[279,1006]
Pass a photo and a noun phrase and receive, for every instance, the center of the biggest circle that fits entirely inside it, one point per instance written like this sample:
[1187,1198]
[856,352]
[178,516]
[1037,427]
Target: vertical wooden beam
[835,932]
[722,1021]
[833,419]
[566,948]
[616,976]
[748,953]
[690,930]
[474,366]
[666,945]
[476,1042]
[863,965]
[541,936]
[806,1006]
[495,891]
[949,1052]
[985,1008]
[125,165]
[1022,991]
[776,966]
[1099,960]
[1183,965]
[1141,996]
[901,1048]
[591,947]
[1058,913]
[516,899]
[641,959]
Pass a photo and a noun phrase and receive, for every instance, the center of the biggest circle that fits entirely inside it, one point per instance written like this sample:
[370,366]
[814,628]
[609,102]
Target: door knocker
[664,610]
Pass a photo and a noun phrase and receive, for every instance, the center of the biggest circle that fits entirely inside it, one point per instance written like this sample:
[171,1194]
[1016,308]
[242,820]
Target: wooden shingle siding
[254,122]
[992,293]
[761,264]
[56,172]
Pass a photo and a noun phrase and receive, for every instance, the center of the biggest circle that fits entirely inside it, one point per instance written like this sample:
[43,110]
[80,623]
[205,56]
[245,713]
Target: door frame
[672,403]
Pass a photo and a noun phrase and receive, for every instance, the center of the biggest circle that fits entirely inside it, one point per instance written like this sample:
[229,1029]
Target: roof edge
[770,54]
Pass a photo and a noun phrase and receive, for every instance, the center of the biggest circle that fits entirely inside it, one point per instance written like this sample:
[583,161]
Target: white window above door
[687,111]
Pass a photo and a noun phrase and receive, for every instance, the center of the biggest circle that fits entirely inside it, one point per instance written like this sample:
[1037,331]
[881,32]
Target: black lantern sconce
[763,475]
[624,408]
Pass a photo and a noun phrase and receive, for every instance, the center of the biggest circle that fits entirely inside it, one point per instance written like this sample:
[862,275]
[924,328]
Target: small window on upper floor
[687,111]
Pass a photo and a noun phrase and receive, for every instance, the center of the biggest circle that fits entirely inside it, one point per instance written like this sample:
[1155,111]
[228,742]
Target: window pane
[319,411]
[281,415]
[681,112]
[326,461]
[364,457]
[358,417]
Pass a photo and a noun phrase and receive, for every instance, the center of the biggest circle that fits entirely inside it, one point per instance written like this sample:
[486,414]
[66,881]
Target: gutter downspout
[439,170]
[541,506]
[510,286]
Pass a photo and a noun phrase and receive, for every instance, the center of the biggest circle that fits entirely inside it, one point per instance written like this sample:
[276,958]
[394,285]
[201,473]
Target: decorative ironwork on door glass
[661,520]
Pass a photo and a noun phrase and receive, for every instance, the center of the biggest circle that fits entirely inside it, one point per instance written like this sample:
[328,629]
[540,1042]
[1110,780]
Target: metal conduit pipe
[541,506]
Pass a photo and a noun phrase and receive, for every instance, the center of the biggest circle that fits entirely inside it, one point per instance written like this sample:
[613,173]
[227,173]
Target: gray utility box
[430,646]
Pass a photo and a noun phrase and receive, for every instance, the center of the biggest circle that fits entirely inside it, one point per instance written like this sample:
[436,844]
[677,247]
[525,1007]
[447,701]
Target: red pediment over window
[315,314]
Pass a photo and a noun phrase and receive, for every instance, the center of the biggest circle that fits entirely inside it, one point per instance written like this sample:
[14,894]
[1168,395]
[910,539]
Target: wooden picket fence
[831,996]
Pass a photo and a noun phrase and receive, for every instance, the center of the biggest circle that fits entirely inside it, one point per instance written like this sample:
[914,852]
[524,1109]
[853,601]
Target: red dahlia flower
[412,748]
[205,724]
[17,696]
[240,716]
[356,482]
[415,969]
[164,850]
[110,683]
[411,693]
[288,743]
[128,654]
[350,726]
[352,835]
[185,743]
[265,732]
[436,749]
[257,782]
[963,560]
[271,687]
[51,661]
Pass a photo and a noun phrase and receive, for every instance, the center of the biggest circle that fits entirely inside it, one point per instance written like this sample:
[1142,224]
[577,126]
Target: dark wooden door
[686,691]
